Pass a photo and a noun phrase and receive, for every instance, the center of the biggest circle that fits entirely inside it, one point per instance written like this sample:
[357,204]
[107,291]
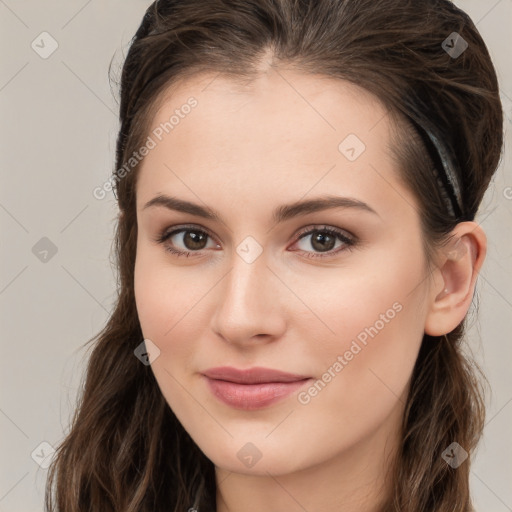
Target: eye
[192,238]
[324,239]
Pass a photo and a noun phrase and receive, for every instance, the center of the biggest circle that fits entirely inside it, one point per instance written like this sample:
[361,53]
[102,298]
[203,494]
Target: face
[333,294]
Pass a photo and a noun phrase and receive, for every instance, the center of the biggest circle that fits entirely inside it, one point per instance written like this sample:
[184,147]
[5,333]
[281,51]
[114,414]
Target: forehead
[284,133]
[277,98]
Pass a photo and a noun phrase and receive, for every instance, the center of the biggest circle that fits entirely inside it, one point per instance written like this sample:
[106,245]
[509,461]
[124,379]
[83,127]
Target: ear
[454,279]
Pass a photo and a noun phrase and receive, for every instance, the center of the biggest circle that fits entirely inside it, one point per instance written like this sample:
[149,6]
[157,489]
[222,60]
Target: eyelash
[350,242]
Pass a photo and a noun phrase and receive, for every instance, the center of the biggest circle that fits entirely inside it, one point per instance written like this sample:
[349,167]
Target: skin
[244,151]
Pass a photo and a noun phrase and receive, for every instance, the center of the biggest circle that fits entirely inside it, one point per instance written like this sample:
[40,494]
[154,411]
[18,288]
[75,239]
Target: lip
[255,375]
[253,388]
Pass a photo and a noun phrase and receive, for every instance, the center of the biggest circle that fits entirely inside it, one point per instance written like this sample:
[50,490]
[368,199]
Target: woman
[297,184]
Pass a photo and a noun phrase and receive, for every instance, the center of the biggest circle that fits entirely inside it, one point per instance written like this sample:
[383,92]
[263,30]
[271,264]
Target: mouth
[254,388]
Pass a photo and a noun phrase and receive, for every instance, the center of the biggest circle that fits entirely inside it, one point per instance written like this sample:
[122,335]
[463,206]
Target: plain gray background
[58,130]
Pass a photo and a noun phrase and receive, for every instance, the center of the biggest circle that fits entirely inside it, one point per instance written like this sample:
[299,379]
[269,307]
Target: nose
[249,308]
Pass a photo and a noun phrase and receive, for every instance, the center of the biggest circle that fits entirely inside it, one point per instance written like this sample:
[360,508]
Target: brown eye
[185,241]
[194,240]
[324,240]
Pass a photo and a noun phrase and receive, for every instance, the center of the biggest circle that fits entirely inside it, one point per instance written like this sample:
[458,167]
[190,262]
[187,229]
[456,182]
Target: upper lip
[254,375]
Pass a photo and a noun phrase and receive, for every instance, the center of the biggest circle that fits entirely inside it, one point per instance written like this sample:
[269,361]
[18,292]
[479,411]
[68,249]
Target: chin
[251,453]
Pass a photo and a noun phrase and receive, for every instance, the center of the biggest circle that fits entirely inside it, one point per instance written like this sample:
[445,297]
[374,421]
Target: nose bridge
[248,304]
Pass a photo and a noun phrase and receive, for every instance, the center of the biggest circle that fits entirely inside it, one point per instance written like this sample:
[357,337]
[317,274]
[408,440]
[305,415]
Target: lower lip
[252,396]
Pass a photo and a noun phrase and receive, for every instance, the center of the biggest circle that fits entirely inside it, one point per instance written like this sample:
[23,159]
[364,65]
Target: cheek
[171,304]
[165,297]
[166,306]
[376,298]
[370,380]
[363,369]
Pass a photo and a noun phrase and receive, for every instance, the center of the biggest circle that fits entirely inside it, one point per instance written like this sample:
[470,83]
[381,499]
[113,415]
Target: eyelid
[325,227]
[173,230]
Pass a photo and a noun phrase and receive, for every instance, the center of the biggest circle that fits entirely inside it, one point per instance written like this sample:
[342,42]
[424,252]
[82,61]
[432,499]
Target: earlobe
[459,265]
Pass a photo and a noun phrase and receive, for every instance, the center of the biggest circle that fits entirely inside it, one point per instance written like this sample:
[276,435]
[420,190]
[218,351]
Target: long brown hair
[125,450]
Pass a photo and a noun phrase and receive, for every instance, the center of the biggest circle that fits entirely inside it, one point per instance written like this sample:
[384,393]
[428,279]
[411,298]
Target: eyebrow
[280,214]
